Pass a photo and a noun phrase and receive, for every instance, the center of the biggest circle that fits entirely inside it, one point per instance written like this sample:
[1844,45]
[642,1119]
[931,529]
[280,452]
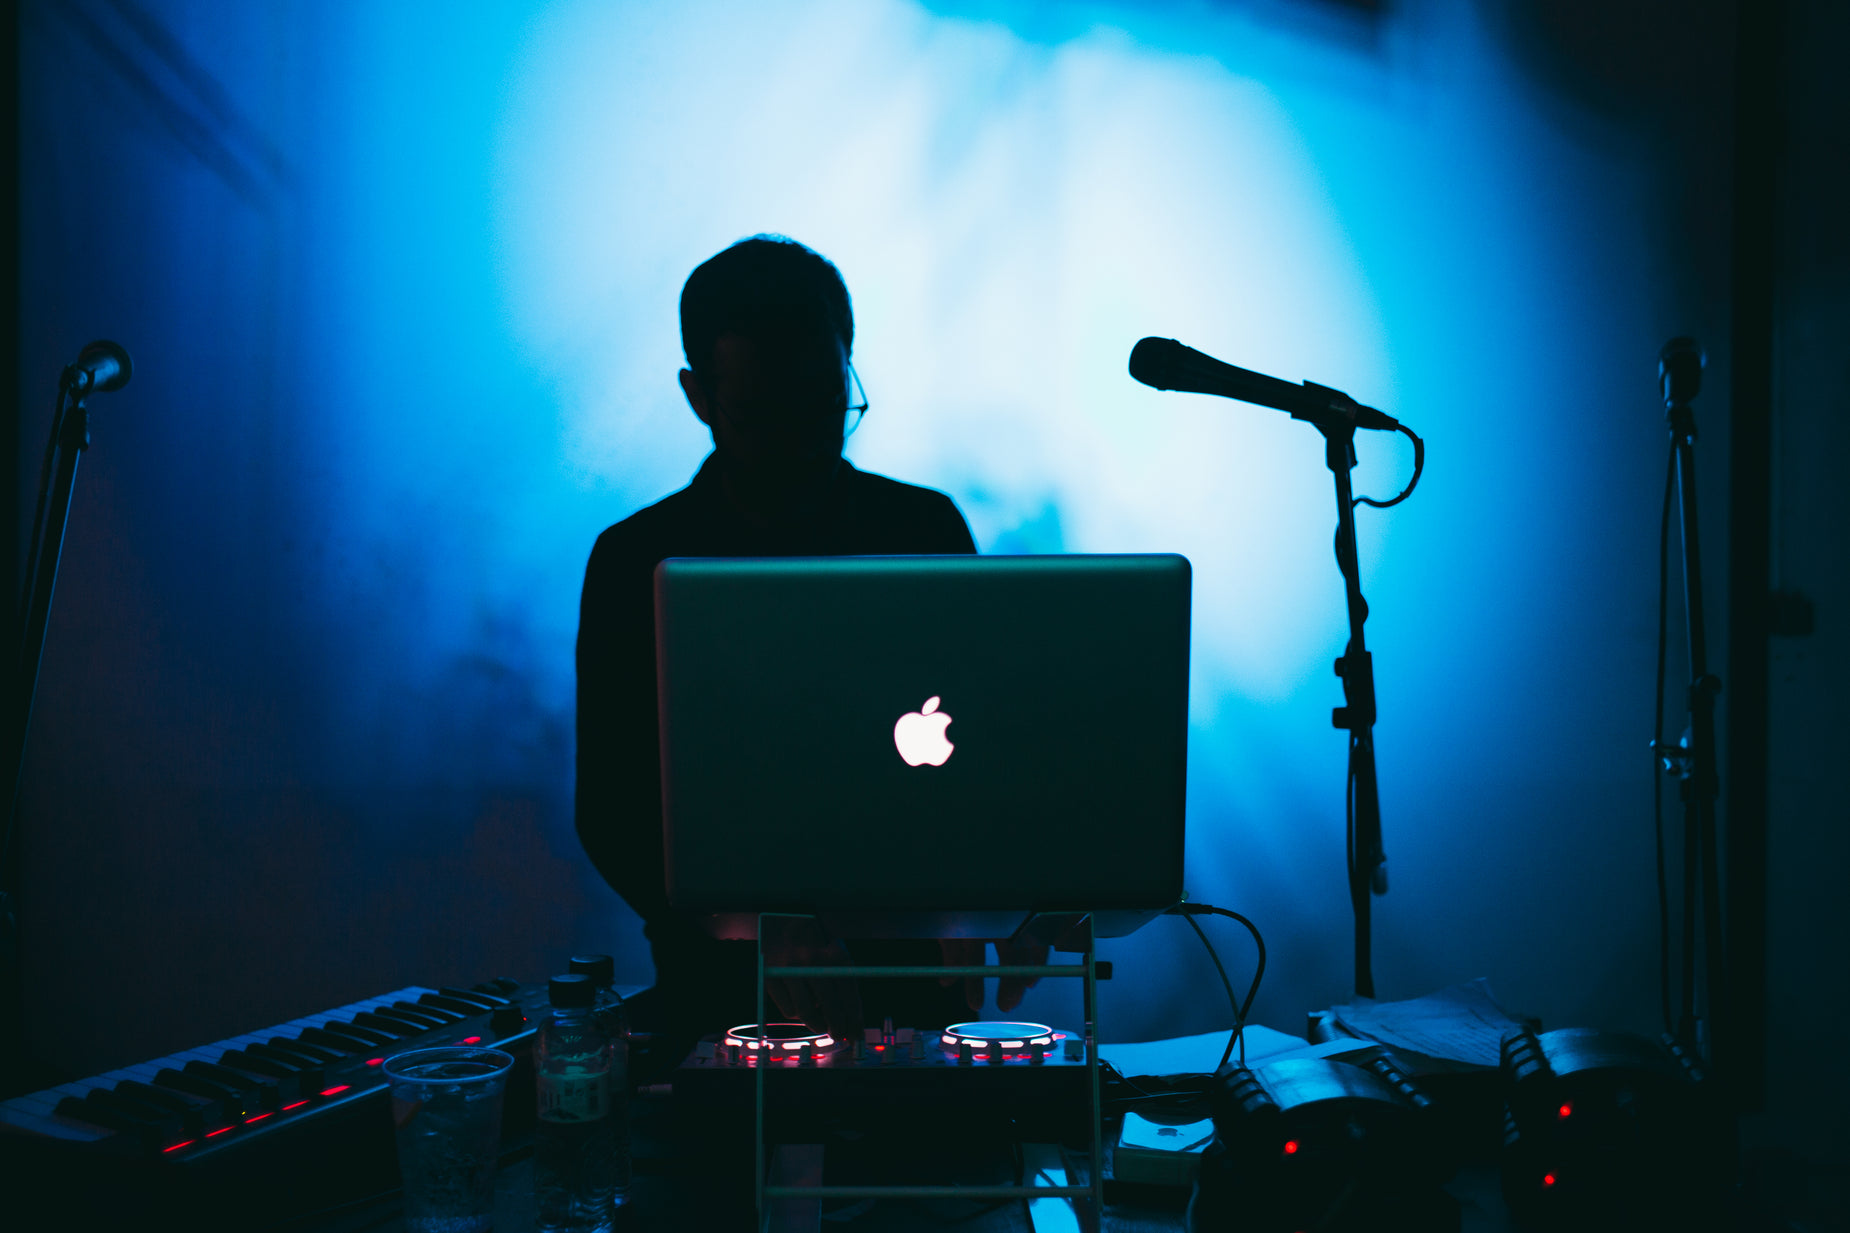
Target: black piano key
[148,1129]
[385,1027]
[420,1017]
[364,1035]
[174,1123]
[457,1006]
[232,1097]
[311,1071]
[493,992]
[293,1082]
[256,1089]
[207,1111]
[415,1024]
[346,1046]
[439,1013]
[250,1063]
[282,1087]
[312,1054]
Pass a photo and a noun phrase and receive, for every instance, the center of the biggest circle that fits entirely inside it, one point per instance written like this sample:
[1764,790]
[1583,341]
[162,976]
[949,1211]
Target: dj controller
[1027,1075]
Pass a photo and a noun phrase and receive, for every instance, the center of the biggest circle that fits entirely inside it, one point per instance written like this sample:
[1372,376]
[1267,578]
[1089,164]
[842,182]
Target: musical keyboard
[207,1101]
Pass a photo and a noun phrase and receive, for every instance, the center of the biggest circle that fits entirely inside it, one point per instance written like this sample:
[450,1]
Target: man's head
[768,328]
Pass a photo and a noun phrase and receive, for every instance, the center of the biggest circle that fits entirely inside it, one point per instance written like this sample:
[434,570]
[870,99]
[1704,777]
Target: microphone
[1166,364]
[1679,371]
[101,367]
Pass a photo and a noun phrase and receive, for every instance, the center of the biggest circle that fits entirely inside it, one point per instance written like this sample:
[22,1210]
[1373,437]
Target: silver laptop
[924,746]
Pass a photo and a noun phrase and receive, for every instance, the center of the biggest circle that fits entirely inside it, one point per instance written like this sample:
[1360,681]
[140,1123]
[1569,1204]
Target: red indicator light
[375,1061]
[1291,1147]
[297,1105]
[1567,1109]
[258,1118]
[1548,1179]
[472,1040]
[222,1130]
[176,1147]
[878,1048]
[335,1091]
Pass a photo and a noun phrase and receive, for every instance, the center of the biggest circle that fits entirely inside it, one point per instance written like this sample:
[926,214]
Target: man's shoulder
[915,518]
[644,531]
[884,491]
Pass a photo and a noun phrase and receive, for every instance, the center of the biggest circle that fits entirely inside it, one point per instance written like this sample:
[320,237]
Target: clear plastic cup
[446,1105]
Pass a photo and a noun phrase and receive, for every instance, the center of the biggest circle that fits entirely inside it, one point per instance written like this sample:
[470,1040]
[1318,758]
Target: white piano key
[44,1104]
[51,1127]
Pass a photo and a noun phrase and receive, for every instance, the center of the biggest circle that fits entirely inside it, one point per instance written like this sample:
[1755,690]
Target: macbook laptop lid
[924,746]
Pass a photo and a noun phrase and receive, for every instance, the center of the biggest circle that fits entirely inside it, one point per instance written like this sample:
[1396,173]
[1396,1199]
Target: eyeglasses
[852,410]
[857,407]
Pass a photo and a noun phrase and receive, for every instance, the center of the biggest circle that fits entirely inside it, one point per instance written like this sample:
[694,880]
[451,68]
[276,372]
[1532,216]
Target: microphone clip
[1335,409]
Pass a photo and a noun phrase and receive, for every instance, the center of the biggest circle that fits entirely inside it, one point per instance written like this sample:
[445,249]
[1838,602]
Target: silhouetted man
[768,330]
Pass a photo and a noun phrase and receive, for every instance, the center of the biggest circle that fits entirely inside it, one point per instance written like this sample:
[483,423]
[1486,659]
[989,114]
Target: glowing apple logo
[919,735]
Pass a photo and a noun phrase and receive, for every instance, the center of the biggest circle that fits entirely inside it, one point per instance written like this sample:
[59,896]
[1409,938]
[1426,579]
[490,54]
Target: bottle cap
[571,992]
[600,968]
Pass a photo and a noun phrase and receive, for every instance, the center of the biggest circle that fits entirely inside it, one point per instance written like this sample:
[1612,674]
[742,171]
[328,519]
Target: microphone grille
[1679,368]
[1154,362]
[103,349]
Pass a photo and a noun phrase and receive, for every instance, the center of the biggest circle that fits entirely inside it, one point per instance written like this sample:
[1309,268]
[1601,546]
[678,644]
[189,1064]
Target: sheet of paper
[1338,1048]
[1194,1055]
[1461,1023]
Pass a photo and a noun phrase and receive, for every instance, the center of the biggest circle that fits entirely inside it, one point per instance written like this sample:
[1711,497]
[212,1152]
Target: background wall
[1808,925]
[400,284]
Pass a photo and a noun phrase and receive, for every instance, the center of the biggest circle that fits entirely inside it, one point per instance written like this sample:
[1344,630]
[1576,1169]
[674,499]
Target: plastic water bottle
[607,1009]
[575,1143]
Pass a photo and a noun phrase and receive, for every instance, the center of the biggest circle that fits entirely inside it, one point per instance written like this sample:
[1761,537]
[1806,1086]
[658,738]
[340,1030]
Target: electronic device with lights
[1303,1143]
[1031,1071]
[924,746]
[1610,1131]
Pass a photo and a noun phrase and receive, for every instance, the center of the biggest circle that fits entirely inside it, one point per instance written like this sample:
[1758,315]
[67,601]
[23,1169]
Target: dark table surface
[666,1185]
[1475,1189]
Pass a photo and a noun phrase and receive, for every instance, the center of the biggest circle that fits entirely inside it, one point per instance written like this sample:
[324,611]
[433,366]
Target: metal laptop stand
[1086,969]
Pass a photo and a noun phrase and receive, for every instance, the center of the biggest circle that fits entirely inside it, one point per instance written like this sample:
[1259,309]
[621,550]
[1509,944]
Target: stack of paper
[1462,1023]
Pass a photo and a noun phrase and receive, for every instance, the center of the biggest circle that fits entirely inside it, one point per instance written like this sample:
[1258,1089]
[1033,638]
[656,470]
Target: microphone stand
[1367,859]
[1692,760]
[70,436]
[1165,364]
